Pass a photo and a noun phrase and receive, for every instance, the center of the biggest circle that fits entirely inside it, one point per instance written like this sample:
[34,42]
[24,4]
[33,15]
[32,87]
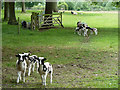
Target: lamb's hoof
[17,82]
[44,84]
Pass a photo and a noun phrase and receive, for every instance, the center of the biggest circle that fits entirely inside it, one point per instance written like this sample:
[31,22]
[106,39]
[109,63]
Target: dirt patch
[46,28]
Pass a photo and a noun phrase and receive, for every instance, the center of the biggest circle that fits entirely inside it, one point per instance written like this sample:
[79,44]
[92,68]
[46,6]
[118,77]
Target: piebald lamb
[21,66]
[44,69]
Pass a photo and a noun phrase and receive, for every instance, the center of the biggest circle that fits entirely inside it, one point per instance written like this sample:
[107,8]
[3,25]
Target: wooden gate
[45,20]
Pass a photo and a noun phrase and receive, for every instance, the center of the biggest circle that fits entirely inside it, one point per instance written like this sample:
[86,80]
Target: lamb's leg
[79,32]
[51,77]
[19,76]
[24,76]
[37,67]
[29,70]
[33,67]
[44,79]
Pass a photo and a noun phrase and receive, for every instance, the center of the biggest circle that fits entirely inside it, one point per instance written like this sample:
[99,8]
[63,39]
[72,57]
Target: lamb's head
[35,56]
[79,24]
[32,59]
[41,60]
[21,57]
[27,54]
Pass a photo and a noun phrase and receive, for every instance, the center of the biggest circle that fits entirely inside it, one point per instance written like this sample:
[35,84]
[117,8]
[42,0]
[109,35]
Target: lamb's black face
[32,59]
[41,60]
[35,56]
[21,57]
[27,54]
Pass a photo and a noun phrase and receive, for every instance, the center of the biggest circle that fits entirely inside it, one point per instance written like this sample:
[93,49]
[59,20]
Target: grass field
[84,63]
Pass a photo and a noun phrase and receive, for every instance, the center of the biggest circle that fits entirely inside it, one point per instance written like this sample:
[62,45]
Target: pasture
[78,62]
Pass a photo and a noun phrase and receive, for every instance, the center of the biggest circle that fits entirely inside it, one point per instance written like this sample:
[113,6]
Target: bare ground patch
[74,73]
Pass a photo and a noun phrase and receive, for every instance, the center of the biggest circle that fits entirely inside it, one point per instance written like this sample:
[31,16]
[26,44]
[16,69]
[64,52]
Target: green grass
[85,62]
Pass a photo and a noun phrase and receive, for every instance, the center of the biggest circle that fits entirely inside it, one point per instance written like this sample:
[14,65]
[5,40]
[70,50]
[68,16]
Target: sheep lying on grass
[74,13]
[83,28]
[27,25]
[44,69]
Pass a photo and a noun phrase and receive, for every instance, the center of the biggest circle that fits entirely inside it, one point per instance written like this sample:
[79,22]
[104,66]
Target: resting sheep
[74,13]
[84,28]
[27,25]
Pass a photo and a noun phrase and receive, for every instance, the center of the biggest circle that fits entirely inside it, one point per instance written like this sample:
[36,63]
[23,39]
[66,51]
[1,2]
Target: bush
[38,7]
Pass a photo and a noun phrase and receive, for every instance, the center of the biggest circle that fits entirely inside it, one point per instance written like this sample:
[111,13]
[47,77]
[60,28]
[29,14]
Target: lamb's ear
[17,55]
[37,58]
[29,52]
[44,59]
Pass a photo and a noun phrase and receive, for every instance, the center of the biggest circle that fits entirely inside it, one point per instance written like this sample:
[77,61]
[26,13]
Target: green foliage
[63,5]
[27,4]
[95,6]
[70,5]
[116,4]
[38,7]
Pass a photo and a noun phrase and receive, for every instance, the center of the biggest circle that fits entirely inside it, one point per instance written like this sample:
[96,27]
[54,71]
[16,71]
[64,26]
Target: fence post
[61,20]
[18,25]
[32,22]
[38,20]
[61,17]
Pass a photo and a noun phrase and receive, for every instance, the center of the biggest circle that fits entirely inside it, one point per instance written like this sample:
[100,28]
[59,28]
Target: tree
[23,7]
[0,11]
[49,8]
[6,11]
[30,4]
[70,5]
[12,17]
[116,4]
[63,5]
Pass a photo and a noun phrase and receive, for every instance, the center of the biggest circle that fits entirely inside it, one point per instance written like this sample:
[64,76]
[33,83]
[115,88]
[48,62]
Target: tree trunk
[12,17]
[6,11]
[48,10]
[0,11]
[23,7]
[50,7]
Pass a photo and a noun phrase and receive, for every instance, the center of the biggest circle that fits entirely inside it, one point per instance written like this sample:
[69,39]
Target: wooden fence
[39,20]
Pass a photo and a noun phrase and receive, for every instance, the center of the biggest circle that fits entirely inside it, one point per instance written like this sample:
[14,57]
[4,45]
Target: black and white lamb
[21,66]
[44,69]
[32,60]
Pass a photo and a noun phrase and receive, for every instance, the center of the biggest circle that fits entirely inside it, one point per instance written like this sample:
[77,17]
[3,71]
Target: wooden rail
[39,20]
